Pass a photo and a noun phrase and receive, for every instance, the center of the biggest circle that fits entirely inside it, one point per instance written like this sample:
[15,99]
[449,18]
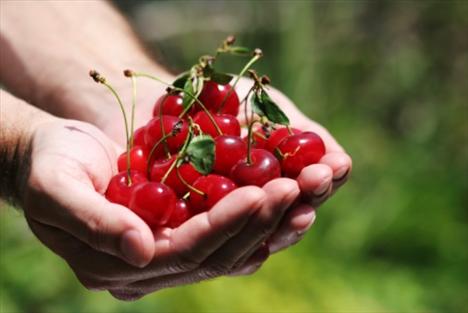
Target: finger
[315,182]
[95,270]
[339,162]
[80,211]
[281,193]
[254,262]
[219,259]
[294,226]
[194,241]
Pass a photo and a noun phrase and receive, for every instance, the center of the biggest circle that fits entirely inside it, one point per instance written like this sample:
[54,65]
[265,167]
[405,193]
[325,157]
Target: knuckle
[215,270]
[182,264]
[95,232]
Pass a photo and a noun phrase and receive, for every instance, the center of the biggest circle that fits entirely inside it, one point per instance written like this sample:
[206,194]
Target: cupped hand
[109,247]
[317,182]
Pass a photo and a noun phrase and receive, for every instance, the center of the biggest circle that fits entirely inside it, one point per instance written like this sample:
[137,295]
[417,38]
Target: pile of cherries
[191,153]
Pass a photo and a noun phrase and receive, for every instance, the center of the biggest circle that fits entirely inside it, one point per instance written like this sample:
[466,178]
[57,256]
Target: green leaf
[239,50]
[188,91]
[263,105]
[180,81]
[201,153]
[221,78]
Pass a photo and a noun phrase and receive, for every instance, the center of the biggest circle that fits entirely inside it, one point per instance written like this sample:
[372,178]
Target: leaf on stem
[221,78]
[201,153]
[180,80]
[263,105]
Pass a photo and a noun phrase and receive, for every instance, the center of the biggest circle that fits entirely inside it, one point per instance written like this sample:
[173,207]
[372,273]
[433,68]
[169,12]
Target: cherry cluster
[191,153]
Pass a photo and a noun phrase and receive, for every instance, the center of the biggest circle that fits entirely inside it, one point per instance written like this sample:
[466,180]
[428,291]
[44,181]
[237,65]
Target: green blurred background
[390,81]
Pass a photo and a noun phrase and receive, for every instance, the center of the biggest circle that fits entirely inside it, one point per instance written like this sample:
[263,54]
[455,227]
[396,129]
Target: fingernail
[322,188]
[340,173]
[129,245]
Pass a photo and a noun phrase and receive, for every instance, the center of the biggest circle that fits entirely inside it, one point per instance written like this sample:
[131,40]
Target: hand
[109,247]
[317,182]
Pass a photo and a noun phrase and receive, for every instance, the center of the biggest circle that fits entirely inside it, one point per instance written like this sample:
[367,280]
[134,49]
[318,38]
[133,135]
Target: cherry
[299,151]
[228,124]
[277,136]
[228,151]
[214,188]
[168,104]
[153,202]
[139,137]
[119,191]
[180,214]
[263,168]
[138,159]
[259,139]
[212,96]
[154,134]
[186,170]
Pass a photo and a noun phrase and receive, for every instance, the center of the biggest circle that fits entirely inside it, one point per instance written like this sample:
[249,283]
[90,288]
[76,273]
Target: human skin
[54,78]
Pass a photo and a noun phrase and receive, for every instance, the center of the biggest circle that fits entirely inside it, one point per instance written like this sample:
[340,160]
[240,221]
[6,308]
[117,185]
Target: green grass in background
[389,81]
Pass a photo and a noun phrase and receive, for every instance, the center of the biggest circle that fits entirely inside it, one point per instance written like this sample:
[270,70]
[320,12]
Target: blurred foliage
[389,80]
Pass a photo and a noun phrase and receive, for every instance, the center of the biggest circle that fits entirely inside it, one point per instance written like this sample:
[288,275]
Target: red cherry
[154,134]
[228,151]
[139,137]
[118,190]
[299,151]
[138,159]
[228,124]
[212,97]
[277,136]
[170,104]
[264,167]
[186,170]
[214,187]
[180,214]
[153,202]
[259,139]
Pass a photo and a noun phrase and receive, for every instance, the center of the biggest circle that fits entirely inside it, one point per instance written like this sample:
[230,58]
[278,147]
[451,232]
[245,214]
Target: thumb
[80,211]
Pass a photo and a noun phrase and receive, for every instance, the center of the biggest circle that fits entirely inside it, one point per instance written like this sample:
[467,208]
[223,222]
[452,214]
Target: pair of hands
[110,248]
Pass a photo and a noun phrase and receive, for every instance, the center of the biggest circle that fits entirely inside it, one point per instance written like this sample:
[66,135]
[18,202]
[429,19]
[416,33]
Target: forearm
[17,121]
[49,47]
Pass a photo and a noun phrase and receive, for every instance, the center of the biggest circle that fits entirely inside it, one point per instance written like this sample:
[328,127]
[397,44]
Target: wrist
[15,144]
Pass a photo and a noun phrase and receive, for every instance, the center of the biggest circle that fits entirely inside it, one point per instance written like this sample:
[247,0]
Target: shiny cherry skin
[214,187]
[186,170]
[259,139]
[170,104]
[180,215]
[299,151]
[228,151]
[118,191]
[153,202]
[138,159]
[154,134]
[212,96]
[228,124]
[139,137]
[264,167]
[277,136]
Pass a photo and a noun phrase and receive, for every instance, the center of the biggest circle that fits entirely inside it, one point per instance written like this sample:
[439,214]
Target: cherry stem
[180,155]
[163,131]
[150,156]
[249,143]
[190,187]
[290,131]
[132,120]
[100,79]
[246,114]
[210,116]
[242,72]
